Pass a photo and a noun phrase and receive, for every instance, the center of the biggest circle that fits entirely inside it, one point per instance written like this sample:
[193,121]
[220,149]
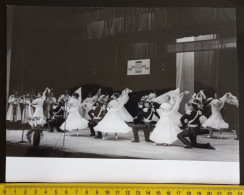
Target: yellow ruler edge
[117,189]
[121,185]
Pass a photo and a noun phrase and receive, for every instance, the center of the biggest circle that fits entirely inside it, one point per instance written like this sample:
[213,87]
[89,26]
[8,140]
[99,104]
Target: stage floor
[227,149]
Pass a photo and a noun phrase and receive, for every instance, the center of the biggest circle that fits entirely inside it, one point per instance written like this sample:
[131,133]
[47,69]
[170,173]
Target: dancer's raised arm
[123,98]
[96,96]
[230,99]
[11,99]
[44,93]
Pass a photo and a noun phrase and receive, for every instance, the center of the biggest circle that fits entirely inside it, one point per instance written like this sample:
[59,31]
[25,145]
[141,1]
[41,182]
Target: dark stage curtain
[206,72]
[143,50]
[206,69]
[107,22]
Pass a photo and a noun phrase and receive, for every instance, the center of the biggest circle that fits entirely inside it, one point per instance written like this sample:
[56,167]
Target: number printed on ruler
[120,189]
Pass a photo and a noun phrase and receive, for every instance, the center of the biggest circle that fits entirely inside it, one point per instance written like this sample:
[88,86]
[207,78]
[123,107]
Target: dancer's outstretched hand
[186,92]
[128,90]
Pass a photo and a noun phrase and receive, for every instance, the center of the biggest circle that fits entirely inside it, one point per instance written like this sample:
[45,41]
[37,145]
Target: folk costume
[149,117]
[96,114]
[87,105]
[216,121]
[74,120]
[166,129]
[48,104]
[112,121]
[56,114]
[38,119]
[14,110]
[27,110]
[191,124]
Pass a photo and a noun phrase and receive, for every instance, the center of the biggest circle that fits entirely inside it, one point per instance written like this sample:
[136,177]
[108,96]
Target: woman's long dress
[14,110]
[216,120]
[166,129]
[27,111]
[38,117]
[125,115]
[74,120]
[112,121]
[87,105]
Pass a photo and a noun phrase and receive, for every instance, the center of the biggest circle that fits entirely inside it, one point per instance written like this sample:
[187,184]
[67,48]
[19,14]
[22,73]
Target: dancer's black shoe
[135,141]
[188,147]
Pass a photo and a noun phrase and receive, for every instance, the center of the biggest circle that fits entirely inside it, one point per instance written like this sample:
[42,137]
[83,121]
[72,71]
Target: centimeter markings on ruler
[118,189]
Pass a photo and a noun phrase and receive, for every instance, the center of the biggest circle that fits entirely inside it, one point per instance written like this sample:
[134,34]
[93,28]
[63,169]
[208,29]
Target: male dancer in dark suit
[139,112]
[190,125]
[57,119]
[96,114]
[145,124]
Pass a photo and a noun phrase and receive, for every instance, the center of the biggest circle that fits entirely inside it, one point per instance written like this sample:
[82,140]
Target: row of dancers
[21,107]
[106,115]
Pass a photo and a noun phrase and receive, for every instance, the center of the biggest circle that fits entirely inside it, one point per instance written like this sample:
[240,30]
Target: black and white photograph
[154,84]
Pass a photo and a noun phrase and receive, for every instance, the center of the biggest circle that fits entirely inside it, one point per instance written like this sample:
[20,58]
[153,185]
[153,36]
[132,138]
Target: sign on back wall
[138,67]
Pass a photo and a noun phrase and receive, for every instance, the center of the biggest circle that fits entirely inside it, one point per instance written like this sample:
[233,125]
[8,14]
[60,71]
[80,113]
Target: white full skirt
[74,122]
[112,123]
[38,121]
[215,121]
[176,116]
[125,115]
[166,131]
[27,114]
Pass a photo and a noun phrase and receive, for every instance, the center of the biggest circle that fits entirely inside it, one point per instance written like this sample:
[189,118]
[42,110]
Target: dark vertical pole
[115,67]
[23,67]
[10,16]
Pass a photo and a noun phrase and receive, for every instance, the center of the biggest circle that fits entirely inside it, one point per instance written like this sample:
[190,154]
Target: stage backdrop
[66,47]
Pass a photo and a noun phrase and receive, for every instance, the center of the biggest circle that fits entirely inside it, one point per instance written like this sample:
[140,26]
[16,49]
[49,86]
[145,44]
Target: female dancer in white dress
[28,110]
[38,117]
[14,110]
[175,116]
[166,129]
[124,114]
[74,120]
[215,121]
[112,121]
[88,104]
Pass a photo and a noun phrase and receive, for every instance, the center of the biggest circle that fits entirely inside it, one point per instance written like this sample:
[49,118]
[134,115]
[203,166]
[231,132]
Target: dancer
[169,97]
[112,121]
[166,129]
[191,123]
[74,120]
[203,104]
[14,111]
[87,105]
[148,118]
[38,119]
[96,114]
[139,112]
[56,114]
[27,109]
[216,121]
[65,97]
[124,114]
[153,107]
[48,104]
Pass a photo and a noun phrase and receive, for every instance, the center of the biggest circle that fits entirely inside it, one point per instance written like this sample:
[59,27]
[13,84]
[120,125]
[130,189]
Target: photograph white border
[25,169]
